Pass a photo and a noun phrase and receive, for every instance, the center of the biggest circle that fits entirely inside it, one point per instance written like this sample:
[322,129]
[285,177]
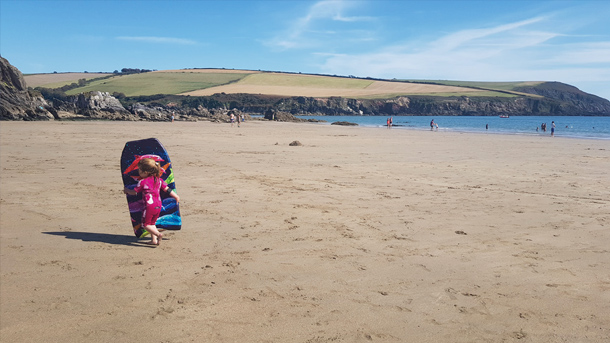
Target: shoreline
[463,127]
[359,234]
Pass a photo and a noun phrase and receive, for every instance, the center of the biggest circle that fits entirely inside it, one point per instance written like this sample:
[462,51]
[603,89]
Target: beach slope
[358,235]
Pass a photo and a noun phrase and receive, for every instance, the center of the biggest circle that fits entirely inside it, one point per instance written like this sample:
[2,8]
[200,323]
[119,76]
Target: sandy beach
[359,235]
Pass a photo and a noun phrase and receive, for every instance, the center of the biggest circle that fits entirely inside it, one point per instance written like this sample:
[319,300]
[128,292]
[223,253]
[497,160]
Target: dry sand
[359,235]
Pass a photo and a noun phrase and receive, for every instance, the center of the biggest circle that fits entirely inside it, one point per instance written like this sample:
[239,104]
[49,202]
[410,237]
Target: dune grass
[159,83]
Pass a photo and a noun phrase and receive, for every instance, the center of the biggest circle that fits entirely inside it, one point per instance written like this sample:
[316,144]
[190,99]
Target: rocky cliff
[551,98]
[570,98]
[19,103]
[16,102]
[554,103]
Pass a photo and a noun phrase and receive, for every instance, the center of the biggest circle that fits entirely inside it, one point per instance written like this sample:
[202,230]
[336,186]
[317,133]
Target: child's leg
[155,234]
[149,218]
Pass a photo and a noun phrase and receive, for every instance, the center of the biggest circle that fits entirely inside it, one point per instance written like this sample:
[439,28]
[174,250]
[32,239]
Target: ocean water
[565,126]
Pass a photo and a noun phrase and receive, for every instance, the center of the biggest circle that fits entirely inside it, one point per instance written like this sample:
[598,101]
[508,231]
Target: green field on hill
[171,83]
[158,83]
[481,94]
[300,80]
[502,86]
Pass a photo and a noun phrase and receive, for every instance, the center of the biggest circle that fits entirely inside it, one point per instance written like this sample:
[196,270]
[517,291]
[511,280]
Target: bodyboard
[133,152]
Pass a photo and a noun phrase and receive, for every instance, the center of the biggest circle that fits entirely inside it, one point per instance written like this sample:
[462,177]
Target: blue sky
[566,41]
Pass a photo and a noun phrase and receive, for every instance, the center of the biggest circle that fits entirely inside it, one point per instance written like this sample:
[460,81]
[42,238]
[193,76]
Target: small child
[150,185]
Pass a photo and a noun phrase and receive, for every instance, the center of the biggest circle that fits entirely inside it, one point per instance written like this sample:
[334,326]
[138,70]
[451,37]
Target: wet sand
[359,235]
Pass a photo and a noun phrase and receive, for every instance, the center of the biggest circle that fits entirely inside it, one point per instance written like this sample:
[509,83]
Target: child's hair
[150,166]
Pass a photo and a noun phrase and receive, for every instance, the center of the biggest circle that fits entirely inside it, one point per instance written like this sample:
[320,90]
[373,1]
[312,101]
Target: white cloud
[158,40]
[513,51]
[333,9]
[461,38]
[304,30]
[583,53]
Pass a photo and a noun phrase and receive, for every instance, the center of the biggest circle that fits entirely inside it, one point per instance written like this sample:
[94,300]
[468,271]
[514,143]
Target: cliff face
[570,97]
[16,103]
[566,104]
[551,98]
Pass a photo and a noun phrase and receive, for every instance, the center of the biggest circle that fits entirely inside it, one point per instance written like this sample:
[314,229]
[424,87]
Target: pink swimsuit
[151,197]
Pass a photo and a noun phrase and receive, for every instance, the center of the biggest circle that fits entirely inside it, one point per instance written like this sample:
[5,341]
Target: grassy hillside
[500,86]
[56,80]
[285,84]
[300,80]
[203,82]
[159,83]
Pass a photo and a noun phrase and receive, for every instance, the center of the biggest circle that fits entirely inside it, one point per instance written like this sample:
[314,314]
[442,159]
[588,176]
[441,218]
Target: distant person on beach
[436,126]
[486,126]
[432,125]
[149,185]
[232,119]
[238,120]
[388,122]
[172,117]
[243,118]
[552,128]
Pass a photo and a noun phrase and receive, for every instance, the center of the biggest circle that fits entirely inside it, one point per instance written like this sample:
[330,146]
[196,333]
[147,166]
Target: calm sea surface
[573,127]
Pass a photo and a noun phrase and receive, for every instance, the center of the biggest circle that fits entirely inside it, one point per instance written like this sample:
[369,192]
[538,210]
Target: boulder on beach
[344,123]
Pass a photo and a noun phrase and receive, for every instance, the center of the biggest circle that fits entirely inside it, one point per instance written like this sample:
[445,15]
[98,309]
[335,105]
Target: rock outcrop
[275,115]
[99,104]
[90,105]
[16,102]
[344,123]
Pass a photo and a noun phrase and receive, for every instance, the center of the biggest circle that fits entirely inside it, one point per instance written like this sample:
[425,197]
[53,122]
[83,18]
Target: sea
[587,127]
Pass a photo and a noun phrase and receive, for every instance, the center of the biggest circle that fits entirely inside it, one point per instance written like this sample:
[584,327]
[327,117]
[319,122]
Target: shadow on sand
[102,238]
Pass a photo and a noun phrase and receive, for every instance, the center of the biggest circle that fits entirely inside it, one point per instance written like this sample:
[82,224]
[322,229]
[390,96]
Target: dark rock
[344,123]
[16,102]
[101,105]
[273,114]
[295,143]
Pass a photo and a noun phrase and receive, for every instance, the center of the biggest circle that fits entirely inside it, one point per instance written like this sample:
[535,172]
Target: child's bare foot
[159,237]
